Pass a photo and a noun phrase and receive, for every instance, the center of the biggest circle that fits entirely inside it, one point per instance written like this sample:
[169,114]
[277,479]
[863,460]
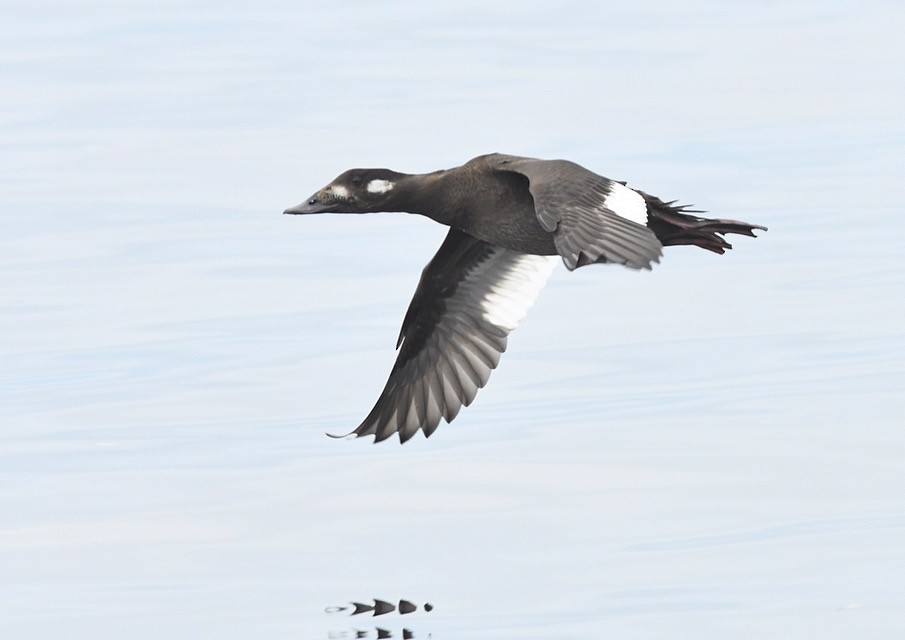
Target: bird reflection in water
[379,608]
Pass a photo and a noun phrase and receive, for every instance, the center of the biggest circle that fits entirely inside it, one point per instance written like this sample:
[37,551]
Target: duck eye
[356,181]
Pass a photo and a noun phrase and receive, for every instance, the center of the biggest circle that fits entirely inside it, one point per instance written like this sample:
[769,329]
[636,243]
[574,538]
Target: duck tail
[676,224]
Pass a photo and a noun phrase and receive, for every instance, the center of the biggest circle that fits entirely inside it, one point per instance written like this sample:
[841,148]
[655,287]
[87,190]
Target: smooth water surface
[714,449]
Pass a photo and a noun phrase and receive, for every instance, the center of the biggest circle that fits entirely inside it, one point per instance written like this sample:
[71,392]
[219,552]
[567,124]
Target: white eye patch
[379,186]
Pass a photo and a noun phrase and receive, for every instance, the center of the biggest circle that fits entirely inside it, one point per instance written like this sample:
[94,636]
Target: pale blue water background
[715,449]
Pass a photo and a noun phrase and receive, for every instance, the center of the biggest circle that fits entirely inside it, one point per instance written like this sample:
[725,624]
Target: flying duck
[510,219]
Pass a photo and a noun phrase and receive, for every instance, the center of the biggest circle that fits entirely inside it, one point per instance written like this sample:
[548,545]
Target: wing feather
[471,295]
[592,218]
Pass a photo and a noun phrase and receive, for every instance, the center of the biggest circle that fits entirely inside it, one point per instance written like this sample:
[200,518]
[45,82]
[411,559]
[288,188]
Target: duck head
[354,191]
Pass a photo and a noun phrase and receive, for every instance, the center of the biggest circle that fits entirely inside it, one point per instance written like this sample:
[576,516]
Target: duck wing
[592,218]
[471,295]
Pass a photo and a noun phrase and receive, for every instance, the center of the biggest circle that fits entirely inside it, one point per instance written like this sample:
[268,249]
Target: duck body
[494,206]
[491,205]
[511,220]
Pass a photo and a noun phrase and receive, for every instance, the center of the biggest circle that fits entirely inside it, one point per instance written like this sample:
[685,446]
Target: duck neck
[422,193]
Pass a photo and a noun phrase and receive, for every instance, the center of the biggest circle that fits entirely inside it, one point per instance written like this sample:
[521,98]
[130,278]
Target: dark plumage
[511,219]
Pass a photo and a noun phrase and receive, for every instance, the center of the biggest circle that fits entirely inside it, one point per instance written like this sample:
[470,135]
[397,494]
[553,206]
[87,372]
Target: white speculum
[627,203]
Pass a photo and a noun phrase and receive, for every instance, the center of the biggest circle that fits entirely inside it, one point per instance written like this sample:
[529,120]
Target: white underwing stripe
[627,203]
[512,289]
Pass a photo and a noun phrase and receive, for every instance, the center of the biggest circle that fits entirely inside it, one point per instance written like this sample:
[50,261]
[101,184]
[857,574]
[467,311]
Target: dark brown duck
[511,219]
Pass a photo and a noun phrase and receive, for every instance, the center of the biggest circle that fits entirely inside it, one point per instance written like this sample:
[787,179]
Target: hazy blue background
[715,449]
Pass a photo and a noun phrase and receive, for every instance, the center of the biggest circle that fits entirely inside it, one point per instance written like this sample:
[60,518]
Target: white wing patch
[379,186]
[514,287]
[627,203]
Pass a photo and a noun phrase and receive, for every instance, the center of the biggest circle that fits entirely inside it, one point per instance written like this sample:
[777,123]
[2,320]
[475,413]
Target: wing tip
[404,434]
[341,436]
[355,435]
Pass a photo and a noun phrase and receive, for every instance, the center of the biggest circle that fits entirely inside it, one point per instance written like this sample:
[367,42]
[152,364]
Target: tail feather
[676,224]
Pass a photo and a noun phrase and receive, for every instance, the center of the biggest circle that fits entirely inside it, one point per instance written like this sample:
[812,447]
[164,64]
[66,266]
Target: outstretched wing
[471,296]
[592,218]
